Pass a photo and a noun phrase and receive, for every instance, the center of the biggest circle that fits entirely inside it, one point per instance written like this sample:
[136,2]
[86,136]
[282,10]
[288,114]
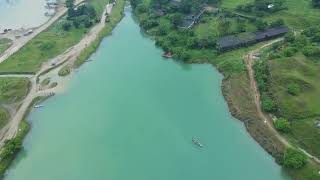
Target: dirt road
[249,60]
[68,57]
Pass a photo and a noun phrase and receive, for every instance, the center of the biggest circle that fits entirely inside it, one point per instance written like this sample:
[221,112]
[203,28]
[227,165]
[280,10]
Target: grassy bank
[115,17]
[197,45]
[12,147]
[48,44]
[4,44]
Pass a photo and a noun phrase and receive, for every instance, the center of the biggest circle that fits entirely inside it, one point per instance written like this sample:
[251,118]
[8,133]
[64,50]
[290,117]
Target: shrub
[46,46]
[294,159]
[293,89]
[67,25]
[277,23]
[290,51]
[267,104]
[282,125]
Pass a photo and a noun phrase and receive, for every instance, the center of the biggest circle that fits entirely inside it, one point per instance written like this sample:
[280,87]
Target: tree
[277,23]
[69,4]
[224,26]
[66,25]
[294,159]
[282,125]
[261,25]
[267,104]
[176,19]
[289,37]
[316,3]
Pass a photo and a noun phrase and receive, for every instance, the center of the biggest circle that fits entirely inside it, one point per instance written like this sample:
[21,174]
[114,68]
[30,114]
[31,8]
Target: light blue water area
[16,14]
[131,115]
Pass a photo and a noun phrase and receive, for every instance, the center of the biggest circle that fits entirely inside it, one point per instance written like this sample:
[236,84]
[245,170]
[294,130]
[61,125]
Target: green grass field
[4,44]
[304,73]
[13,90]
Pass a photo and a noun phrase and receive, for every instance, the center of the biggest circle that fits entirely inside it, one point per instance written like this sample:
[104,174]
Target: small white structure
[270,6]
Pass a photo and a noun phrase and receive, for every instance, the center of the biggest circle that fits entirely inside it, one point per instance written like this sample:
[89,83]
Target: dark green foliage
[260,24]
[176,19]
[289,51]
[141,8]
[46,46]
[149,23]
[224,26]
[311,51]
[82,15]
[293,89]
[316,3]
[67,25]
[261,75]
[294,159]
[282,125]
[289,37]
[268,104]
[277,23]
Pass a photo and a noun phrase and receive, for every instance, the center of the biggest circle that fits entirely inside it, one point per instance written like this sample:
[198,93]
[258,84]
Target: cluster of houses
[245,39]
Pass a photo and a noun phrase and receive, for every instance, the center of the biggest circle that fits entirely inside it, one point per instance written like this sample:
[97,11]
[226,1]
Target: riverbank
[197,45]
[69,57]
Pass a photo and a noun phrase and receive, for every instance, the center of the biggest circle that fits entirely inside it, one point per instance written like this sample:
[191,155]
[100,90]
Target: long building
[245,39]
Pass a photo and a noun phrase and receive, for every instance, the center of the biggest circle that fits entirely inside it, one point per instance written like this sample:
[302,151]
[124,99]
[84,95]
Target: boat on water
[38,106]
[167,54]
[197,142]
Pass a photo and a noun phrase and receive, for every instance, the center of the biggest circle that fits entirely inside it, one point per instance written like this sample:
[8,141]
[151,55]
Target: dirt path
[23,40]
[69,57]
[249,60]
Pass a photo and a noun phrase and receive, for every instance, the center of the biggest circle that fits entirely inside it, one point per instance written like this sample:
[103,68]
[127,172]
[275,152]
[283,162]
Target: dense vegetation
[294,159]
[12,147]
[83,15]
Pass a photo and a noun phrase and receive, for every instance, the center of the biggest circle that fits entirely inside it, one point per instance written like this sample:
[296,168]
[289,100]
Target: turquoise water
[131,115]
[15,14]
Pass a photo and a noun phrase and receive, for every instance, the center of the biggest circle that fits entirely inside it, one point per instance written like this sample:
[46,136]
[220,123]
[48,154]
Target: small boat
[167,54]
[197,142]
[88,60]
[38,106]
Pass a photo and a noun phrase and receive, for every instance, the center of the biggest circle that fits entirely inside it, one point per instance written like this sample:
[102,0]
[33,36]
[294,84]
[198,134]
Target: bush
[67,25]
[294,159]
[267,104]
[46,46]
[282,125]
[293,89]
[277,23]
[290,51]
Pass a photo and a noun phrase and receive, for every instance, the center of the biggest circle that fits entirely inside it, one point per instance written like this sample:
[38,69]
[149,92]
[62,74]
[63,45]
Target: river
[130,115]
[16,14]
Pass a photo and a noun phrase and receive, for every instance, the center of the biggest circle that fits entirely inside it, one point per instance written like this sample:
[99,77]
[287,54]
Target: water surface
[16,14]
[131,115]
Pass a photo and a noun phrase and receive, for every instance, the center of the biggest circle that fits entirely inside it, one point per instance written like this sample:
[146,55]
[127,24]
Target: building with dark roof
[244,39]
